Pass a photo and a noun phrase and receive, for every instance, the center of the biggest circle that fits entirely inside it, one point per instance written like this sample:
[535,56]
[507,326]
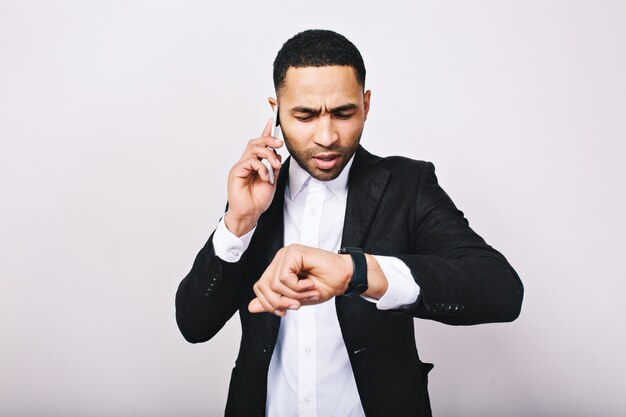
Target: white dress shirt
[310,373]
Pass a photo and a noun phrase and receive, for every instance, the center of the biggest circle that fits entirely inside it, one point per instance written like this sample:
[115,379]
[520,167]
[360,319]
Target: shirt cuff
[227,246]
[402,290]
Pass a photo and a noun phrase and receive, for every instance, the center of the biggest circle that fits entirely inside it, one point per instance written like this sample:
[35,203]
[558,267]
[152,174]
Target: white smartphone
[277,133]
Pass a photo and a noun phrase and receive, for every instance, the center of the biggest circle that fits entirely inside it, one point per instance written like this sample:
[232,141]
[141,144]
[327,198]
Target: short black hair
[317,48]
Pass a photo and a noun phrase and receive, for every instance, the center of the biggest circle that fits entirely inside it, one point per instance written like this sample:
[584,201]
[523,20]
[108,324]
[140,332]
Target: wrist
[239,225]
[376,280]
[347,271]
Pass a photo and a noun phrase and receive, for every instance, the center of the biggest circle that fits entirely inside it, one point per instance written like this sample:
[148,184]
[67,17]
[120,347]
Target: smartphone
[277,133]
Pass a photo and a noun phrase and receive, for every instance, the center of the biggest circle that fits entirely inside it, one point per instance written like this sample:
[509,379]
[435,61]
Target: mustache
[334,148]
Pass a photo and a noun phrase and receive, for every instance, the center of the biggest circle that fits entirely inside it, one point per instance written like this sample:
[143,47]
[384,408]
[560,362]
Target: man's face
[322,114]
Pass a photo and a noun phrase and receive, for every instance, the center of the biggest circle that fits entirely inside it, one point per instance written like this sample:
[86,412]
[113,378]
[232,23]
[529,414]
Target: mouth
[326,161]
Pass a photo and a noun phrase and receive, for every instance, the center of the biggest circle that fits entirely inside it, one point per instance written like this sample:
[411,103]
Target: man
[327,333]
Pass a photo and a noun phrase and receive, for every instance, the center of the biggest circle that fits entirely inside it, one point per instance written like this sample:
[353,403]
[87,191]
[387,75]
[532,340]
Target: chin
[324,176]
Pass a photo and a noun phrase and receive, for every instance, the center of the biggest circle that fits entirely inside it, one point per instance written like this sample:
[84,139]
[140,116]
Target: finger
[275,304]
[255,306]
[265,305]
[285,279]
[295,292]
[262,292]
[288,294]
[310,301]
[268,128]
[310,293]
[287,283]
[270,289]
[277,168]
[277,159]
[276,300]
[250,167]
[276,172]
[265,141]
[305,284]
[263,152]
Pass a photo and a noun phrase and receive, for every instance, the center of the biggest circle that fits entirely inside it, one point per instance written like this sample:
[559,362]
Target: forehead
[331,84]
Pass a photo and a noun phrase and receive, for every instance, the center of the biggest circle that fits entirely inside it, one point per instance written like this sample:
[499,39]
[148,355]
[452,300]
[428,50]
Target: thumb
[255,306]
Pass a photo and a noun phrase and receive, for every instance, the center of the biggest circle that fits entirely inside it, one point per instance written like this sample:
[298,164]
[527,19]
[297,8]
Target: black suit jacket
[394,207]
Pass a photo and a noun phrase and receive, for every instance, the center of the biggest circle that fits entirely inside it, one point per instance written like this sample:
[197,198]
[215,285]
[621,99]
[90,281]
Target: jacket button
[448,307]
[267,348]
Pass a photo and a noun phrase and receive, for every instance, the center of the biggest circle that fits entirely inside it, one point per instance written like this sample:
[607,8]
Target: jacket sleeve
[462,279]
[208,296]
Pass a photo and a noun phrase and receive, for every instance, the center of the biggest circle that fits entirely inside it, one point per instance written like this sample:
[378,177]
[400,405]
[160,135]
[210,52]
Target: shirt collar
[298,178]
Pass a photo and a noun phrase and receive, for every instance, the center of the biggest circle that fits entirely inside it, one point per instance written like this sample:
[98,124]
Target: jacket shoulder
[402,163]
[395,163]
[401,167]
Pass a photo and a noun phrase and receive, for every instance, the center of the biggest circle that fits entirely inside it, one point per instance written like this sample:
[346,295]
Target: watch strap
[358,282]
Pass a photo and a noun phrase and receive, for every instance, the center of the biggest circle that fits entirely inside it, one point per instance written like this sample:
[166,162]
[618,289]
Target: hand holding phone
[250,191]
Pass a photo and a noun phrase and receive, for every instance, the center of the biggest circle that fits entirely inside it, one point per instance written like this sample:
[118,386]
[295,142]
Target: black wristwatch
[358,283]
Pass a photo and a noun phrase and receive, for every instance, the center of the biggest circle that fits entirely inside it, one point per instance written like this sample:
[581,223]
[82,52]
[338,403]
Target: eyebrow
[310,110]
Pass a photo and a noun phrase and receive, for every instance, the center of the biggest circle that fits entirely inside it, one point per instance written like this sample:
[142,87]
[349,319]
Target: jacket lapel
[366,185]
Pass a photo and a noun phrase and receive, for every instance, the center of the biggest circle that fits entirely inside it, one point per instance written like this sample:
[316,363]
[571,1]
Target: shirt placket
[307,328]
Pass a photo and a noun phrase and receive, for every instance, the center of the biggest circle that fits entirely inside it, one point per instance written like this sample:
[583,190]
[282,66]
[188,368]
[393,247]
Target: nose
[326,134]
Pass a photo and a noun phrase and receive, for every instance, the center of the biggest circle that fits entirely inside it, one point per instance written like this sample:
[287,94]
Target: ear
[366,102]
[272,102]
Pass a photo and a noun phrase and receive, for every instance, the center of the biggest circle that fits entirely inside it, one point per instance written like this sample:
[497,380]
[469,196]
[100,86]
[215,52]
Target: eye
[343,115]
[304,118]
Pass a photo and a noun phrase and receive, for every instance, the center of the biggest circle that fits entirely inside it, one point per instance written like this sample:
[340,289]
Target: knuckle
[293,248]
[282,278]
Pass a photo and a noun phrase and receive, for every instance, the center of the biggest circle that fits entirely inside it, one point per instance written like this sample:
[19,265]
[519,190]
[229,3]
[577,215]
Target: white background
[119,121]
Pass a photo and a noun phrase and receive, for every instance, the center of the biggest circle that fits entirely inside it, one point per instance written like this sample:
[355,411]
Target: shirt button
[307,399]
[307,350]
[312,213]
[235,252]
